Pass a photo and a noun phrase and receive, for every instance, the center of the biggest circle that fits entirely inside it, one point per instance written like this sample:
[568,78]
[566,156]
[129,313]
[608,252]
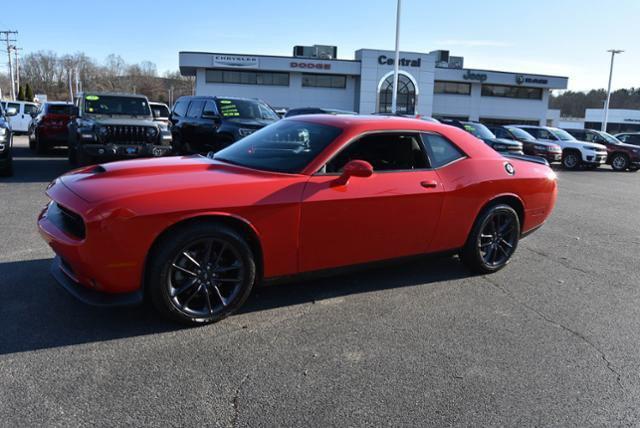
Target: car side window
[195,109]
[440,150]
[633,139]
[180,109]
[209,109]
[30,108]
[385,152]
[502,133]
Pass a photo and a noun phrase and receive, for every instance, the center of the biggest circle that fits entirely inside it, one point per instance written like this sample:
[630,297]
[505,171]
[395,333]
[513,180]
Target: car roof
[372,122]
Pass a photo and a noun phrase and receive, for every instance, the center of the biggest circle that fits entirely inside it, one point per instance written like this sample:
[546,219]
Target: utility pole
[15,51]
[9,37]
[394,95]
[606,104]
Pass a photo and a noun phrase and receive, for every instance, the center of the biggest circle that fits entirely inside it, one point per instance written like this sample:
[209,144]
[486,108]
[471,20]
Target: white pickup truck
[574,153]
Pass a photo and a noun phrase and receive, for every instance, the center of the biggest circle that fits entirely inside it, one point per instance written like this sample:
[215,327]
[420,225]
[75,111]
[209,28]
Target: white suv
[574,153]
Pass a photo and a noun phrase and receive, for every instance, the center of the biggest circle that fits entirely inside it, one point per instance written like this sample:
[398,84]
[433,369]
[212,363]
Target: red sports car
[305,194]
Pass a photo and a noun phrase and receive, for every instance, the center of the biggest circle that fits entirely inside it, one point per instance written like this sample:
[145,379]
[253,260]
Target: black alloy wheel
[201,274]
[493,240]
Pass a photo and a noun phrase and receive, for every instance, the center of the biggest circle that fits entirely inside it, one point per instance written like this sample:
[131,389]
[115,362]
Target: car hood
[160,178]
[502,141]
[125,120]
[253,123]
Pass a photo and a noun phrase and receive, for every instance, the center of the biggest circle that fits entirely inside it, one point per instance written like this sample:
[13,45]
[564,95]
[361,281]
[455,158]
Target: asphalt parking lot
[553,339]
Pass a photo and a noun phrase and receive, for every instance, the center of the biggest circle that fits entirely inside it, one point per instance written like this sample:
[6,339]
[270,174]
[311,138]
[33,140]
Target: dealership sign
[469,75]
[405,62]
[520,79]
[311,65]
[235,61]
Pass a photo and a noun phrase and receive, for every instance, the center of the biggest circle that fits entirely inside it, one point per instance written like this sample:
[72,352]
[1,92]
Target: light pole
[606,104]
[394,94]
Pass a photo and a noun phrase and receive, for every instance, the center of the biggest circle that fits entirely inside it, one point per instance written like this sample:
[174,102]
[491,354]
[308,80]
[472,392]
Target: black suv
[6,142]
[483,133]
[202,124]
[110,126]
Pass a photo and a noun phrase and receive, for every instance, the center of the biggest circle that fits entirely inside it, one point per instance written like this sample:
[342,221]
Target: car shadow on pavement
[36,314]
[29,167]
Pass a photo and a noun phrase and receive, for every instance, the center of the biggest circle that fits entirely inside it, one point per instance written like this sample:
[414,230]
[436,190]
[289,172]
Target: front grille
[124,134]
[66,220]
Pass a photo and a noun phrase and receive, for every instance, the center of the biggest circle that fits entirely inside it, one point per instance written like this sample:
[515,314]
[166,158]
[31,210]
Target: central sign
[405,62]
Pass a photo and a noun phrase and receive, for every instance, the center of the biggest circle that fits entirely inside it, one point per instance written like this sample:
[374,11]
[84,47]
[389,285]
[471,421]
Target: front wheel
[571,160]
[201,273]
[620,162]
[493,239]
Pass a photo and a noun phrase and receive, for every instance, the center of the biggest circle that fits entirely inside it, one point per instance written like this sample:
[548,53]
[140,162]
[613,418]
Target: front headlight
[103,131]
[3,133]
[499,147]
[541,148]
[151,133]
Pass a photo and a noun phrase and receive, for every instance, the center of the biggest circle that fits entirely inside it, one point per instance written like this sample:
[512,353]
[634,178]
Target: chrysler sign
[235,61]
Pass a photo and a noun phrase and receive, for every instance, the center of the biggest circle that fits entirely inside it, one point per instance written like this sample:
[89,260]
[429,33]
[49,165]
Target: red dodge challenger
[305,194]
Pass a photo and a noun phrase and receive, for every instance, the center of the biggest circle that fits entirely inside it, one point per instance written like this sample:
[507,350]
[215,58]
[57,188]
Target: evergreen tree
[20,93]
[28,93]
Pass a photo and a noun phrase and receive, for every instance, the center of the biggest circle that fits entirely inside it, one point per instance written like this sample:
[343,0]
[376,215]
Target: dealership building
[432,84]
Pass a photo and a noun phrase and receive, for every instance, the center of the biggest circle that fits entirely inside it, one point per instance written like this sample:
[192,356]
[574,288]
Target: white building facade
[618,120]
[430,84]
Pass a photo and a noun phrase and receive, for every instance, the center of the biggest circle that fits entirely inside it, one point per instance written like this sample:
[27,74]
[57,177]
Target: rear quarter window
[440,150]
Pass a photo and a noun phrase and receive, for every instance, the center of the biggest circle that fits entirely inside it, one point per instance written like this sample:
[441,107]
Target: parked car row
[107,126]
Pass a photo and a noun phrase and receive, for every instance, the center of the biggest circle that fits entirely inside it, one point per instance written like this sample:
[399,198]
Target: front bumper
[61,273]
[118,151]
[594,159]
[549,156]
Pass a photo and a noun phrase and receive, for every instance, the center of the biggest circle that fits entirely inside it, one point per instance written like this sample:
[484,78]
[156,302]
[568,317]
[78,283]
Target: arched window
[406,103]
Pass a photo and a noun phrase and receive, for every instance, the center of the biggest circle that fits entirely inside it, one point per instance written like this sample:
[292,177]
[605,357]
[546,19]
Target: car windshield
[561,134]
[59,108]
[522,135]
[245,109]
[479,130]
[610,138]
[285,146]
[160,111]
[116,105]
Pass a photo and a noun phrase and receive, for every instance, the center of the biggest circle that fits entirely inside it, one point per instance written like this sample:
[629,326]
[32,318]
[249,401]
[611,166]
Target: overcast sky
[560,37]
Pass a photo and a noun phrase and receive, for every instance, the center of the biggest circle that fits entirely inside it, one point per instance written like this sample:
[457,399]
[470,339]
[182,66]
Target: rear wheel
[201,273]
[571,160]
[41,146]
[620,162]
[493,239]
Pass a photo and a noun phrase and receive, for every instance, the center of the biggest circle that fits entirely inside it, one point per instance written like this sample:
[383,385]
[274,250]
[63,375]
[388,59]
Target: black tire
[72,156]
[216,288]
[472,253]
[571,160]
[82,159]
[7,171]
[41,146]
[620,162]
[633,169]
